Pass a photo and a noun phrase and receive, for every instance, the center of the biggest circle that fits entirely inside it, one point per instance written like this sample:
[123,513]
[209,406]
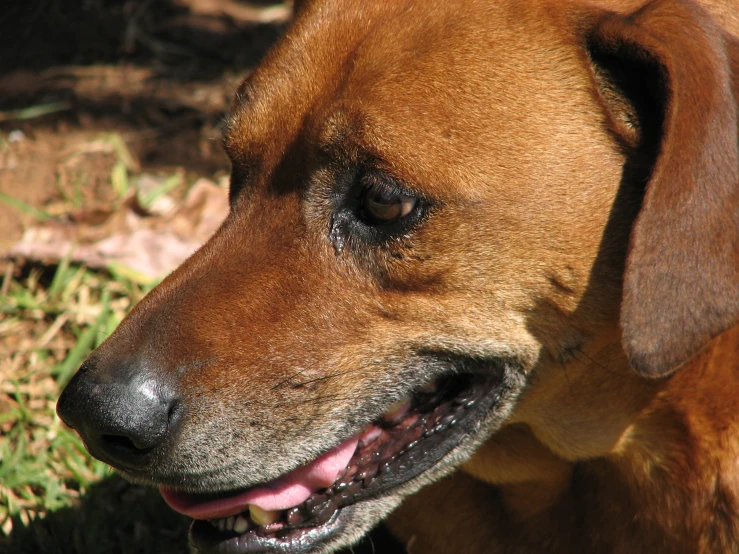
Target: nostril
[123,445]
[173,414]
[123,412]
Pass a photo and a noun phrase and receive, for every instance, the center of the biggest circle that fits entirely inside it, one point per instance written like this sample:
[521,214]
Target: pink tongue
[287,491]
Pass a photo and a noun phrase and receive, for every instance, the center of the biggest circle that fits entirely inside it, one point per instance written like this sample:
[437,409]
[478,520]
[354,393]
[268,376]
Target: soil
[160,74]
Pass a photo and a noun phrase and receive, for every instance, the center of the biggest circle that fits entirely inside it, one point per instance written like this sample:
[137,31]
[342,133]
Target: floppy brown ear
[681,282]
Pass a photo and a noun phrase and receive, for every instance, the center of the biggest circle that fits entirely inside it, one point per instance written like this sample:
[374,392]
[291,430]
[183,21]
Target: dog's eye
[383,205]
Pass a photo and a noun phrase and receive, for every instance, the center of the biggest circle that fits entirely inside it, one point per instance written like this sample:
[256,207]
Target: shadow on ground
[182,38]
[116,517]
[161,71]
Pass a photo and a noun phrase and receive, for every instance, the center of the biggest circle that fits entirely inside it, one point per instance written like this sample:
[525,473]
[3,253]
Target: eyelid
[387,186]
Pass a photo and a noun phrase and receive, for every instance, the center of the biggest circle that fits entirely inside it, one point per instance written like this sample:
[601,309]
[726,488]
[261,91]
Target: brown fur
[581,163]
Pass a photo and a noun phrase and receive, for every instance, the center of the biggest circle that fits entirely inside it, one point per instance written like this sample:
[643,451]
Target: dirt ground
[159,74]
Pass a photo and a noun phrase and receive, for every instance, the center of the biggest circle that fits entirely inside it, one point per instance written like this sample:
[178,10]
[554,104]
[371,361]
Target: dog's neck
[668,450]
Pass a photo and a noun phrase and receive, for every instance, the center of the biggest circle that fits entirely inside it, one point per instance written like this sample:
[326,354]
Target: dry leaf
[150,246]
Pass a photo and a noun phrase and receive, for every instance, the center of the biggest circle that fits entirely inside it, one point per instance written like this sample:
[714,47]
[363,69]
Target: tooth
[221,524]
[397,405]
[263,517]
[213,522]
[241,525]
[397,409]
[369,435]
[230,523]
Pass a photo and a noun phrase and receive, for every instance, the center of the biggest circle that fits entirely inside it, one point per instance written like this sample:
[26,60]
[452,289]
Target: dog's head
[431,204]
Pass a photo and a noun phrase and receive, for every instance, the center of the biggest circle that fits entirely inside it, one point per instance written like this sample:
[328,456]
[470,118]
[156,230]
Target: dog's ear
[668,77]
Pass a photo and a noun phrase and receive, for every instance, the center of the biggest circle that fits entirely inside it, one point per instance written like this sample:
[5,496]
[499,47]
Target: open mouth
[310,505]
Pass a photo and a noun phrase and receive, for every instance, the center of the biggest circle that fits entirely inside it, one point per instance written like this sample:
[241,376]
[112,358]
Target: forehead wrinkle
[336,136]
[352,133]
[360,125]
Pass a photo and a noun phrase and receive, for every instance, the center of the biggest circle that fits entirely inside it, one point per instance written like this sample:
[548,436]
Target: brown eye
[385,206]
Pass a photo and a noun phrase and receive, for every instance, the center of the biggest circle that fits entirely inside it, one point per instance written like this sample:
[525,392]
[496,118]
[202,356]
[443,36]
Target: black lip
[205,539]
[474,401]
[479,398]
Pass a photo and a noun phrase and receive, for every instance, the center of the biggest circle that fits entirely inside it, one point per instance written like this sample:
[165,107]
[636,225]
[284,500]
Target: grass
[54,498]
[26,208]
[32,112]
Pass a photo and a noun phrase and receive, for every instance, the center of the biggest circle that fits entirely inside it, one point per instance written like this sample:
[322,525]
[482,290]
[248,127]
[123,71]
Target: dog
[480,278]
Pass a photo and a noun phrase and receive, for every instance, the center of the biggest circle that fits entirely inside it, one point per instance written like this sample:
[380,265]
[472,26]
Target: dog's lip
[300,541]
[287,491]
[408,440]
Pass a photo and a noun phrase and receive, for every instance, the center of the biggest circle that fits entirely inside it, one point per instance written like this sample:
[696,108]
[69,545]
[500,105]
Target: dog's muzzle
[312,504]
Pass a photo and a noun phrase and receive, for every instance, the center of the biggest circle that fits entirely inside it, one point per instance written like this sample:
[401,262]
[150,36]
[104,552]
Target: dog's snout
[122,415]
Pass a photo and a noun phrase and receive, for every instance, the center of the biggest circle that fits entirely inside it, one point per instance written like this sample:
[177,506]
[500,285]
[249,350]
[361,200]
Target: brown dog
[494,235]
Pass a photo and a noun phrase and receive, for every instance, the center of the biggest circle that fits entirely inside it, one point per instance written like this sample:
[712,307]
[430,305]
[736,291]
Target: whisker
[288,379]
[319,379]
[567,377]
[329,398]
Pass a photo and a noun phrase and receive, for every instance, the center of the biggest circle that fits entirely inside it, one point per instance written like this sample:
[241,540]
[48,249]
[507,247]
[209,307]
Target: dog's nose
[122,415]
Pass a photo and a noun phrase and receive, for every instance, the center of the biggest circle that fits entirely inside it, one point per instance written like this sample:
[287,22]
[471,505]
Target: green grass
[53,496]
[32,112]
[27,209]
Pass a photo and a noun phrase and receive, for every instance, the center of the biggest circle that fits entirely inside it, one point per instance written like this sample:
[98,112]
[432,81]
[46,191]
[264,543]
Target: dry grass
[47,332]
[53,496]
